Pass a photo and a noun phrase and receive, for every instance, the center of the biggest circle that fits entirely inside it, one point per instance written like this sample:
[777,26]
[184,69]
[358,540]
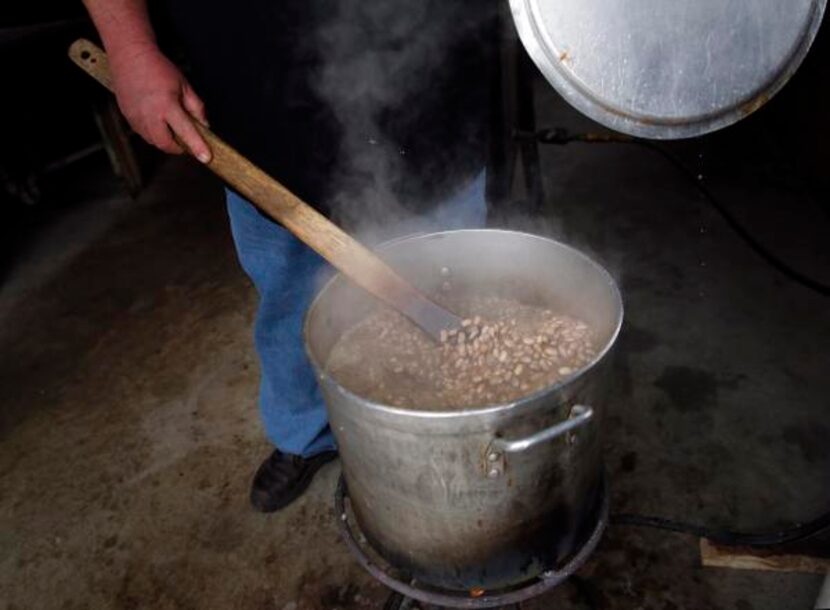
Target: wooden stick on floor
[743,558]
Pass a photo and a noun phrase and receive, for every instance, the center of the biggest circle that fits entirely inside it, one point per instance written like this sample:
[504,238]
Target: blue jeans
[284,272]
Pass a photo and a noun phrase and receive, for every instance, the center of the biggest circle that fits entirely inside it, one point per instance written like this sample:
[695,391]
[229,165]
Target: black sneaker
[283,477]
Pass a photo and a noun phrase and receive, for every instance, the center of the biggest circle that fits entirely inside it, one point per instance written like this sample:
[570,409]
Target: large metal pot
[485,497]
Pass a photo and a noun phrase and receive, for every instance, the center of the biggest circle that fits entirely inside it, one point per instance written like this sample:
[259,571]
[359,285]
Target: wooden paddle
[335,245]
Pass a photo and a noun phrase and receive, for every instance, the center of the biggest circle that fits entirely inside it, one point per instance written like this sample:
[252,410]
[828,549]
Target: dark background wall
[794,126]
[46,115]
[802,115]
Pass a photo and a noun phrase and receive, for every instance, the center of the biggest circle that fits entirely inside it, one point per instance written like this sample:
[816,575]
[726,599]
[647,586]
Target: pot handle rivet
[578,417]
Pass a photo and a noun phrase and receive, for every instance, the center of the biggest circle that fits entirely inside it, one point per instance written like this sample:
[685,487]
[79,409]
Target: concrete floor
[129,427]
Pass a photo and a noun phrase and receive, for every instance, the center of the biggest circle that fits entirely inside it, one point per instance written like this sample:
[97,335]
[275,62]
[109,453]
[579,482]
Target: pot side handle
[578,417]
[494,456]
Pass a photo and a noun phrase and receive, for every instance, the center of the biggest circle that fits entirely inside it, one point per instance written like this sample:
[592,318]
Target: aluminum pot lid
[667,68]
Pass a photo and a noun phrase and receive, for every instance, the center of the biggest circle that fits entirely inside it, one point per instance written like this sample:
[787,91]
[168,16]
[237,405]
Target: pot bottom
[470,588]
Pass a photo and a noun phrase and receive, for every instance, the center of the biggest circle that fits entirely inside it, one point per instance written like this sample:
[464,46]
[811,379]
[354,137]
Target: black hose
[798,533]
[562,137]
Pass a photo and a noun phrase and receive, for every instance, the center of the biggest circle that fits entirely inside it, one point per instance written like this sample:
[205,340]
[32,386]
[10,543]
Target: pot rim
[491,409]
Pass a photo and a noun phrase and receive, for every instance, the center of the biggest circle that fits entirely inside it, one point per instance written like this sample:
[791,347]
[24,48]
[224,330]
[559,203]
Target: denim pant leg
[466,209]
[285,273]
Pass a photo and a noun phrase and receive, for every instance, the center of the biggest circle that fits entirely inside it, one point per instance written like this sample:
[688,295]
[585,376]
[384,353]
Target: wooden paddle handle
[306,223]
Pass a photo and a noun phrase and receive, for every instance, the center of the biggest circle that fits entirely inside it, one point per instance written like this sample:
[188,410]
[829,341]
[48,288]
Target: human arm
[152,92]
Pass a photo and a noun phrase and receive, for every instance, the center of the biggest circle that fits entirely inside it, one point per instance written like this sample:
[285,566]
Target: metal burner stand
[449,599]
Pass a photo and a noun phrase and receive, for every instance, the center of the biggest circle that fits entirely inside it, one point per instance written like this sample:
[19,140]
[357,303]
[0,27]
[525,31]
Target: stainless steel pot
[485,497]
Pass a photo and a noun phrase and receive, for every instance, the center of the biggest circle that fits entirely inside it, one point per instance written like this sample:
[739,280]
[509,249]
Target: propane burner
[407,591]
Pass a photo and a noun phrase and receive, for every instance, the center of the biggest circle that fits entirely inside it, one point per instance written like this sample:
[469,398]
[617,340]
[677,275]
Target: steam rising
[384,65]
[383,68]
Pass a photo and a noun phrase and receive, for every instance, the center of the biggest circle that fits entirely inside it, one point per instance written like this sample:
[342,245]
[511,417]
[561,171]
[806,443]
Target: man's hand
[156,99]
[151,92]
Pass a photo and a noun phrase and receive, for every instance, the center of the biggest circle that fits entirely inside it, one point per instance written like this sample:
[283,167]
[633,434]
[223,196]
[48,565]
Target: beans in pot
[504,350]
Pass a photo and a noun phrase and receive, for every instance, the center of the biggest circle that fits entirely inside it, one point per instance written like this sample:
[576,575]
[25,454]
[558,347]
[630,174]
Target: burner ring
[548,580]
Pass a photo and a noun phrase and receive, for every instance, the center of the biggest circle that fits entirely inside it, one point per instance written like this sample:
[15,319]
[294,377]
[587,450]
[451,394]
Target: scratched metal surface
[667,68]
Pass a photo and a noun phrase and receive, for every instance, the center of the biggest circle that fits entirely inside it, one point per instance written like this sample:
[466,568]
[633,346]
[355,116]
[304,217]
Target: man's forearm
[154,96]
[124,25]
